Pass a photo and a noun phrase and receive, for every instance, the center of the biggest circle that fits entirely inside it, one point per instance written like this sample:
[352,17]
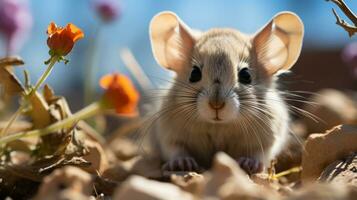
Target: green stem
[12,120]
[44,76]
[287,172]
[86,112]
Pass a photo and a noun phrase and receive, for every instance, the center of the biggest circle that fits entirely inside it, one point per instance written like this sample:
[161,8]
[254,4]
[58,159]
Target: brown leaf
[138,188]
[68,180]
[324,192]
[323,149]
[39,112]
[48,109]
[8,79]
[11,61]
[226,180]
[342,171]
[191,182]
[48,93]
[96,156]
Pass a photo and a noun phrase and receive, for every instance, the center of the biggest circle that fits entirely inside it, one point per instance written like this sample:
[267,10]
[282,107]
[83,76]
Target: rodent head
[220,70]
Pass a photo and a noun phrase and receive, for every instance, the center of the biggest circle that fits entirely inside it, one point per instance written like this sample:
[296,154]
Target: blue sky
[131,30]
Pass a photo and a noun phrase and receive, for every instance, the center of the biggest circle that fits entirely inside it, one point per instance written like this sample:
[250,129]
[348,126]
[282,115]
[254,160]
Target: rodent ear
[171,40]
[277,46]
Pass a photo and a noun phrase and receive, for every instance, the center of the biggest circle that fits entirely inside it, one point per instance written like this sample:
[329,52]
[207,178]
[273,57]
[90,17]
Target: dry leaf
[96,156]
[70,182]
[45,111]
[39,112]
[11,61]
[48,94]
[342,172]
[323,149]
[139,188]
[324,192]
[227,181]
[10,83]
[192,182]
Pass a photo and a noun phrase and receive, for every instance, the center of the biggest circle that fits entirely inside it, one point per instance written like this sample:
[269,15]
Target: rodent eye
[196,74]
[244,76]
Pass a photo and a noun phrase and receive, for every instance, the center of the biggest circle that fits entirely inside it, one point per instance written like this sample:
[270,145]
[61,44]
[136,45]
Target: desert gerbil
[224,97]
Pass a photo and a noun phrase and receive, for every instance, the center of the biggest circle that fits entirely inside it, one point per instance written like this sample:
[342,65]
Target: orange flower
[61,40]
[120,93]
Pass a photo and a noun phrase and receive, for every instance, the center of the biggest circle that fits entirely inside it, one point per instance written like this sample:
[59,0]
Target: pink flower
[349,56]
[108,10]
[15,23]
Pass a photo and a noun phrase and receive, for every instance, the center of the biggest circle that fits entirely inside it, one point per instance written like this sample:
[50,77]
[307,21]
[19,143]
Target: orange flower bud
[120,93]
[61,40]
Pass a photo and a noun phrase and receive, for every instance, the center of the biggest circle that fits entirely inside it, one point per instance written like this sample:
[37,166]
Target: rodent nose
[217,105]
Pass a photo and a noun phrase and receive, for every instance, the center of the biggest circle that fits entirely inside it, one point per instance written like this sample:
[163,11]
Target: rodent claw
[250,165]
[181,164]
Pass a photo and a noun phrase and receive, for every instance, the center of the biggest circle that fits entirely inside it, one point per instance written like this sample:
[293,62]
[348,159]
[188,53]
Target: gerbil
[224,97]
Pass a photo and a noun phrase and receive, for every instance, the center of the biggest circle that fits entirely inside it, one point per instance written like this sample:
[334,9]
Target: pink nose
[217,105]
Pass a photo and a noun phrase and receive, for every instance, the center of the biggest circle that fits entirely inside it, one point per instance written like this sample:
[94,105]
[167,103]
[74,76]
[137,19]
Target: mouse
[225,93]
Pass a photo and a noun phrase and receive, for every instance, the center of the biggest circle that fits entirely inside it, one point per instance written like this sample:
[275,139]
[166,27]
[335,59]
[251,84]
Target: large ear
[171,40]
[278,44]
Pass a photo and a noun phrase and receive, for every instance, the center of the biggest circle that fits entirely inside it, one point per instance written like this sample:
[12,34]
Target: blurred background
[327,60]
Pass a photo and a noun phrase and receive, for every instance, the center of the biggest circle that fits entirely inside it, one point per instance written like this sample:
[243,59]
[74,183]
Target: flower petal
[52,28]
[120,93]
[75,32]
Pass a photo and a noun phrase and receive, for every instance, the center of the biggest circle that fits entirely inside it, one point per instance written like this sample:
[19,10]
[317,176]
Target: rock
[227,181]
[324,192]
[66,183]
[323,149]
[333,107]
[139,188]
[343,172]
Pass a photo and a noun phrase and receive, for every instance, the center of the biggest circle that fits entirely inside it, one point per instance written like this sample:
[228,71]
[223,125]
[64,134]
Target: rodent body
[224,97]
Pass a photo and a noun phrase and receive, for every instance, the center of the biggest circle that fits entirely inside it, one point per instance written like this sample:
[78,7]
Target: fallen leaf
[10,83]
[343,172]
[226,180]
[139,188]
[324,192]
[11,61]
[39,111]
[96,156]
[192,182]
[323,149]
[71,182]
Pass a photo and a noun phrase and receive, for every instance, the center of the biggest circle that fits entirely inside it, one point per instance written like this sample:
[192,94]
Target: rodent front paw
[181,164]
[250,165]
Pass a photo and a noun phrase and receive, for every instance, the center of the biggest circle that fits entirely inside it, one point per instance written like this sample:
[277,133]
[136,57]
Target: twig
[346,10]
[351,30]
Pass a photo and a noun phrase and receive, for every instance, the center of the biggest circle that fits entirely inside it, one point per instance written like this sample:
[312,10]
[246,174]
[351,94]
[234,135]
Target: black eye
[196,74]
[244,76]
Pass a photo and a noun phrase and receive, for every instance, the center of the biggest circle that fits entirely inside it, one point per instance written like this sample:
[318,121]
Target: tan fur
[255,119]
